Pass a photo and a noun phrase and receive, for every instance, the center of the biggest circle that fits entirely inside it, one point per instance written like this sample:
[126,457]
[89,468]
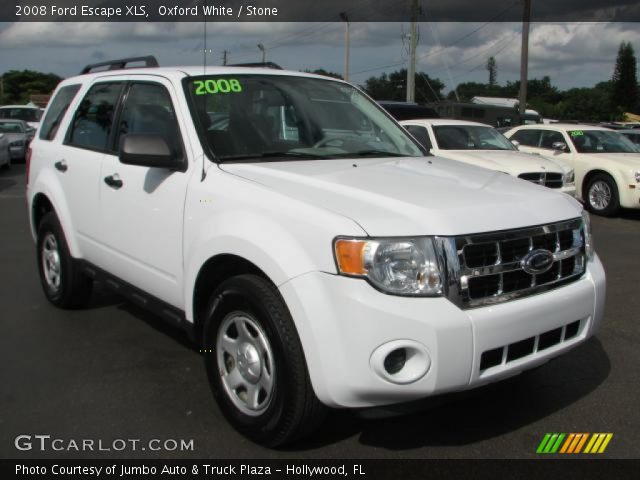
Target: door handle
[114,181]
[61,166]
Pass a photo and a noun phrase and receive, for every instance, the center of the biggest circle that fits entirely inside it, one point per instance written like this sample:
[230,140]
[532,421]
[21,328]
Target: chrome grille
[484,269]
[551,180]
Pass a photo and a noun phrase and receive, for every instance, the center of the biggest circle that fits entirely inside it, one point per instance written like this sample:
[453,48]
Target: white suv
[304,239]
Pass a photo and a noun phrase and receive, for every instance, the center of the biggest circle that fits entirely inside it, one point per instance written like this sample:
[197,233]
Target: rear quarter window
[59,105]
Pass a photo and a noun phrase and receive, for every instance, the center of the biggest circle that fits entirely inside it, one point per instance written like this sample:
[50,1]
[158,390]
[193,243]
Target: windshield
[11,127]
[25,114]
[470,137]
[601,141]
[276,117]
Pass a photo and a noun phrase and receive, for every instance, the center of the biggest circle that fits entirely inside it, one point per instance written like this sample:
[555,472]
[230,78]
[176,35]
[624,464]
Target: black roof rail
[275,66]
[149,62]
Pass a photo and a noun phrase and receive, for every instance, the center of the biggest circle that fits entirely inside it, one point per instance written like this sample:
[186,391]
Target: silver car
[5,158]
[19,133]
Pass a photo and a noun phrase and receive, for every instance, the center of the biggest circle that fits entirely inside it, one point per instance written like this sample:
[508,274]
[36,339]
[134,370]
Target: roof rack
[149,62]
[275,66]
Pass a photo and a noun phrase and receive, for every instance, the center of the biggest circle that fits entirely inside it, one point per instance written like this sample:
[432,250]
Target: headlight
[570,177]
[588,239]
[17,143]
[637,175]
[399,266]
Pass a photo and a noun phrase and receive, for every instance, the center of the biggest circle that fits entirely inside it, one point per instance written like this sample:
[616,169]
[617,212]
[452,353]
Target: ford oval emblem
[537,262]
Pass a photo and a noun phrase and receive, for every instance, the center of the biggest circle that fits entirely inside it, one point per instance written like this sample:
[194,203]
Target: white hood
[511,162]
[413,196]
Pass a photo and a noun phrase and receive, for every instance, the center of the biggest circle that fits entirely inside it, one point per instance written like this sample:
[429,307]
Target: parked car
[606,163]
[324,261]
[407,110]
[19,134]
[5,157]
[481,145]
[27,113]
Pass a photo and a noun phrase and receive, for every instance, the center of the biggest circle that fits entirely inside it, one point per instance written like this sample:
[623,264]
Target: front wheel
[602,195]
[255,363]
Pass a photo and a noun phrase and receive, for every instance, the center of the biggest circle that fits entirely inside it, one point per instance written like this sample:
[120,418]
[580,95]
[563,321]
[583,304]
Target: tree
[394,87]
[625,83]
[492,66]
[18,86]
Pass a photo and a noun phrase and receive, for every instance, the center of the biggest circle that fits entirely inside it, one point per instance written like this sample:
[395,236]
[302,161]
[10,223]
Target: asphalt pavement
[113,371]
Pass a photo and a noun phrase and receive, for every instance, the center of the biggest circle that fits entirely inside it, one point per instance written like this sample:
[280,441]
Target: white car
[303,240]
[606,163]
[482,145]
[26,113]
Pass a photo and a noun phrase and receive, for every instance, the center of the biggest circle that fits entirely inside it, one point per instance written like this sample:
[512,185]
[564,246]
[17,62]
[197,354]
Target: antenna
[204,72]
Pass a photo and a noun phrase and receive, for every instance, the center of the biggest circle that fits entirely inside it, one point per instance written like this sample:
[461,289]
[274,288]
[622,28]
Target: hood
[413,196]
[511,162]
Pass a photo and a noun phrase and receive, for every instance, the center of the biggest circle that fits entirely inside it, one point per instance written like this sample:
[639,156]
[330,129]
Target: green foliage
[624,94]
[18,86]
[581,104]
[394,87]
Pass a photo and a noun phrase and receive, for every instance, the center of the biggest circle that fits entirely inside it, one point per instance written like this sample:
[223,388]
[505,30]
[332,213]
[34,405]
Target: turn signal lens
[350,256]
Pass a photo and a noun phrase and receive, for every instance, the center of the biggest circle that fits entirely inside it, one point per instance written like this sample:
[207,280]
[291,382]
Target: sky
[572,54]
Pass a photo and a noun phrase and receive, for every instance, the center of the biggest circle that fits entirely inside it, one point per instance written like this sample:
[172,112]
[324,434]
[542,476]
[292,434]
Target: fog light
[394,362]
[400,361]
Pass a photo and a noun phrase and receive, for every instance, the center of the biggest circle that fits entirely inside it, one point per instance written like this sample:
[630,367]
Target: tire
[64,285]
[602,195]
[256,365]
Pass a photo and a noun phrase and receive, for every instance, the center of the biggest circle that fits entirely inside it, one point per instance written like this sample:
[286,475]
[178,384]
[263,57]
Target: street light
[264,52]
[345,19]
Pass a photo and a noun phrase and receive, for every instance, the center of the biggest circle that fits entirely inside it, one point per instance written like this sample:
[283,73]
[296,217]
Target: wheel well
[215,271]
[40,207]
[589,176]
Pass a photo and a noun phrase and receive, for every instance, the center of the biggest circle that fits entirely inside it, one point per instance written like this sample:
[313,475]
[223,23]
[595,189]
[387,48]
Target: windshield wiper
[371,153]
[270,155]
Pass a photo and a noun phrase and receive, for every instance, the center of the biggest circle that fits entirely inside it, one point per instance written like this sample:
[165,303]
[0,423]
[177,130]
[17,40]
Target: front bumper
[344,323]
[630,197]
[569,190]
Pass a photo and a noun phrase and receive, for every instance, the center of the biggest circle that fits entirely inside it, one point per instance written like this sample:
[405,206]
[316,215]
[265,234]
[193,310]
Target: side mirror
[559,146]
[148,150]
[515,143]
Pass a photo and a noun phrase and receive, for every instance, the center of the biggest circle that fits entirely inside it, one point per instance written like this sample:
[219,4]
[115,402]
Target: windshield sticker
[221,85]
[576,133]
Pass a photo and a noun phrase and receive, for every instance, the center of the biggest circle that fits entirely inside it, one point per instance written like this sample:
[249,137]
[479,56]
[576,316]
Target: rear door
[77,159]
[141,208]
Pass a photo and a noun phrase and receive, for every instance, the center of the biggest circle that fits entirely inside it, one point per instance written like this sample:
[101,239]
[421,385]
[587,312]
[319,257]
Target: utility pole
[224,57]
[524,57]
[264,52]
[347,39]
[411,70]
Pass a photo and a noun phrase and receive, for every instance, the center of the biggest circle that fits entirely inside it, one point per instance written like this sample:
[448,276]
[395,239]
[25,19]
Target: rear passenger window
[420,134]
[529,138]
[91,125]
[148,109]
[58,107]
